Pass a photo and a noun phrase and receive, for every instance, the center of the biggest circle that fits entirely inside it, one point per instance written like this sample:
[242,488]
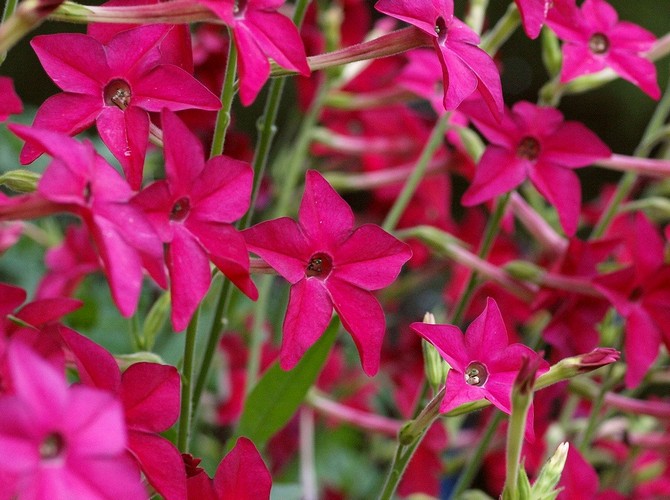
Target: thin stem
[307,468]
[594,417]
[490,234]
[472,468]
[187,384]
[227,95]
[400,461]
[434,141]
[504,28]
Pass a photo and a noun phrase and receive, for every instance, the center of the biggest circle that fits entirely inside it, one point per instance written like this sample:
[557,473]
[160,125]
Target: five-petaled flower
[533,142]
[595,39]
[329,265]
[465,67]
[115,85]
[483,363]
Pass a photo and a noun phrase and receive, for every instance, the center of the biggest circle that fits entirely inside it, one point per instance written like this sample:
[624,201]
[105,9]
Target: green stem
[490,234]
[434,141]
[10,7]
[468,474]
[227,95]
[400,461]
[628,180]
[187,384]
[500,33]
[596,405]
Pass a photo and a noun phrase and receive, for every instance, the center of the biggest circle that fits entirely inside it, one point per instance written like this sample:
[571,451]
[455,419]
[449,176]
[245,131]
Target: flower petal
[641,345]
[561,187]
[498,171]
[242,474]
[161,463]
[150,396]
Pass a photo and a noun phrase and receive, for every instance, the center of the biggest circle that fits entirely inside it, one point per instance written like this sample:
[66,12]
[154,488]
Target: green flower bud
[21,180]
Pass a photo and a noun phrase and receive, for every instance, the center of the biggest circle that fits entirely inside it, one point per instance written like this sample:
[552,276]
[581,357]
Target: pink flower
[115,85]
[61,442]
[260,32]
[483,365]
[595,39]
[533,142]
[640,294]
[533,14]
[10,103]
[465,67]
[192,212]
[329,265]
[79,181]
[241,475]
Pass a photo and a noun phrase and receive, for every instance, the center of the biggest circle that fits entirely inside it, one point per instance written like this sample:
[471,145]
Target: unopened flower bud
[155,320]
[125,361]
[550,474]
[20,180]
[551,52]
[523,270]
[582,363]
[435,366]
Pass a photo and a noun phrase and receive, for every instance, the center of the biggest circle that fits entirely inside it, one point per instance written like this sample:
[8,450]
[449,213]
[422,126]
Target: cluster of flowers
[78,422]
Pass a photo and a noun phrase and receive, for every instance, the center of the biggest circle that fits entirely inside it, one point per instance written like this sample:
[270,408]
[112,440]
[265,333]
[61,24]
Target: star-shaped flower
[595,39]
[329,265]
[483,363]
[115,86]
[192,211]
[465,67]
[533,142]
[259,33]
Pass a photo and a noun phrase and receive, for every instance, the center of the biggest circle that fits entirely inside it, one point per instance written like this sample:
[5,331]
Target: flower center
[476,374]
[636,294]
[117,93]
[441,29]
[52,446]
[180,209]
[599,43]
[239,7]
[528,148]
[319,265]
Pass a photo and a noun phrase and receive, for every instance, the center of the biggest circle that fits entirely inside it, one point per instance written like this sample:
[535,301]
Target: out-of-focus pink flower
[115,85]
[533,142]
[10,232]
[465,67]
[595,39]
[192,212]
[483,365]
[61,442]
[10,103]
[329,265]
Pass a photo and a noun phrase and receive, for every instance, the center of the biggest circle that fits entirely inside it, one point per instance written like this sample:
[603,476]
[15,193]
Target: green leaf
[276,397]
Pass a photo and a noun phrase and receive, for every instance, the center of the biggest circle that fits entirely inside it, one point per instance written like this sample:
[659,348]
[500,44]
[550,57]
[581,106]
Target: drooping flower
[640,294]
[10,103]
[533,142]
[533,15]
[595,39]
[114,85]
[58,441]
[465,67]
[483,364]
[192,211]
[81,182]
[260,33]
[329,265]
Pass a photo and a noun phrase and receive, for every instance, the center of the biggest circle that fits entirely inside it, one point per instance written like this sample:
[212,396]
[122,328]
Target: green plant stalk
[12,28]
[476,15]
[408,190]
[515,432]
[9,9]
[490,233]
[400,461]
[186,411]
[629,178]
[500,33]
[227,96]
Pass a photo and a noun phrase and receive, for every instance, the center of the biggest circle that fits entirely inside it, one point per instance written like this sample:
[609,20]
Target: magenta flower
[10,103]
[483,365]
[115,85]
[640,294]
[595,39]
[329,265]
[58,441]
[79,181]
[533,142]
[260,32]
[465,67]
[192,212]
[533,14]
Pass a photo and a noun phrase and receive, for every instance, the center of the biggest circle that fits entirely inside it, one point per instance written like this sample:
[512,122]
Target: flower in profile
[533,15]
[533,142]
[483,363]
[115,86]
[58,441]
[595,39]
[465,67]
[192,211]
[10,103]
[329,265]
[259,33]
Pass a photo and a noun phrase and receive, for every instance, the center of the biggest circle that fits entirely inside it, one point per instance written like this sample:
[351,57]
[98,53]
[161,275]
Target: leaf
[277,396]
